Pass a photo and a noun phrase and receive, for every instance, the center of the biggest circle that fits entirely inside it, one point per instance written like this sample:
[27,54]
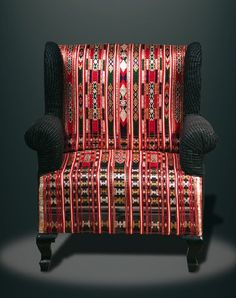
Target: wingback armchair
[122,142]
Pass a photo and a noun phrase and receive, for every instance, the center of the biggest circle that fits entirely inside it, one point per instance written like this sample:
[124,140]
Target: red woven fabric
[128,191]
[123,111]
[123,96]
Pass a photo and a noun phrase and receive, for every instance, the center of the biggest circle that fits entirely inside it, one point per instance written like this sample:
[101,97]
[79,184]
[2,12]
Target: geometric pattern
[121,173]
[123,96]
[120,191]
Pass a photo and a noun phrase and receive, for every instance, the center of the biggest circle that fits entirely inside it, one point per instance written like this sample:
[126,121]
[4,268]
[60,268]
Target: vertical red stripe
[170,99]
[94,171]
[115,108]
[131,98]
[126,190]
[130,191]
[146,188]
[76,97]
[84,96]
[140,96]
[176,192]
[191,205]
[98,192]
[58,200]
[62,191]
[162,193]
[167,193]
[109,191]
[141,192]
[113,211]
[80,198]
[163,99]
[49,205]
[117,100]
[76,193]
[44,205]
[144,100]
[71,192]
[106,99]
[148,202]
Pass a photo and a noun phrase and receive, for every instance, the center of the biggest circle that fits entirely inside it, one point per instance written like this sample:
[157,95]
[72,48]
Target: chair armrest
[46,136]
[197,138]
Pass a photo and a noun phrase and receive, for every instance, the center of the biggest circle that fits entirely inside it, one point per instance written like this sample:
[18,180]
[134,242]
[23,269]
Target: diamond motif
[123,103]
[135,67]
[123,115]
[123,65]
[123,90]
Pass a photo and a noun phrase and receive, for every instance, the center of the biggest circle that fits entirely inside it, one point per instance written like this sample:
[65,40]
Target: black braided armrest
[196,139]
[46,136]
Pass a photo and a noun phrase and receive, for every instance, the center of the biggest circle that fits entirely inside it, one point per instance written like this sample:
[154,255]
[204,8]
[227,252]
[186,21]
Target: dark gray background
[25,27]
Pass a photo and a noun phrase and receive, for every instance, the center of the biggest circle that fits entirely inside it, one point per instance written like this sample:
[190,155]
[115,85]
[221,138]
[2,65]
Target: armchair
[121,145]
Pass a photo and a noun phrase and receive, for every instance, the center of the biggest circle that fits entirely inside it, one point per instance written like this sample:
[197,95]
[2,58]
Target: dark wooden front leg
[193,252]
[43,242]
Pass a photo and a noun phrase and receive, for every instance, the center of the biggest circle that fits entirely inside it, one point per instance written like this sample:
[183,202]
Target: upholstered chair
[122,143]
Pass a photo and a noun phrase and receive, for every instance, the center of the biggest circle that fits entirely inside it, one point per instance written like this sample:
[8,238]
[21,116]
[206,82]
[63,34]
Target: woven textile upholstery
[128,191]
[123,96]
[121,144]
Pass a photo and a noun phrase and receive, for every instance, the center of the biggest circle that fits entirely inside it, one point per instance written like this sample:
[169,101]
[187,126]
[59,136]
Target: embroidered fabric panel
[123,96]
[120,191]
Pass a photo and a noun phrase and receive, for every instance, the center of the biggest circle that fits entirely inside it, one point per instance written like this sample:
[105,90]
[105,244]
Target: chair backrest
[123,96]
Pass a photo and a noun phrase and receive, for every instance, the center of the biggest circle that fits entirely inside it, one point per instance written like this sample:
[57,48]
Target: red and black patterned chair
[121,145]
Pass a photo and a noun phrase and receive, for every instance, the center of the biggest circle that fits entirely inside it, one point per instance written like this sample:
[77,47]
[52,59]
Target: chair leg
[193,252]
[43,242]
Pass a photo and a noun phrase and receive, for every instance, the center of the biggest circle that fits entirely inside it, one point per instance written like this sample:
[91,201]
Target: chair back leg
[193,253]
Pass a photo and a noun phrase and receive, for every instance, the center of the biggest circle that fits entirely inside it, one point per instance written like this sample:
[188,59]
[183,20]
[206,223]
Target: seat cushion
[127,191]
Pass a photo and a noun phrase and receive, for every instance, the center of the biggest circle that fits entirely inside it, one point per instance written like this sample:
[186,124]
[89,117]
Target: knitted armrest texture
[192,78]
[46,136]
[196,139]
